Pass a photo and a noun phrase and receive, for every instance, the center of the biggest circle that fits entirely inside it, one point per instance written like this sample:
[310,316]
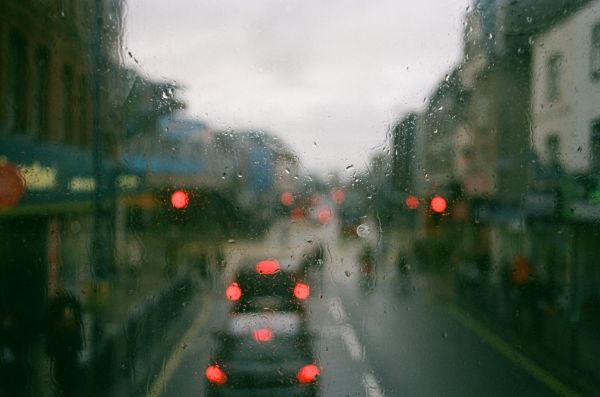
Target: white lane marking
[337,310]
[372,386]
[351,342]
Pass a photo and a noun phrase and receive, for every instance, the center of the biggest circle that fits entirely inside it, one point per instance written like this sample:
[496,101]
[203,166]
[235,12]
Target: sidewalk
[549,350]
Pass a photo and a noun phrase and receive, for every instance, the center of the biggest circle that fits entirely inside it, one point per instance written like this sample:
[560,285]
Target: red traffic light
[438,204]
[180,199]
[412,202]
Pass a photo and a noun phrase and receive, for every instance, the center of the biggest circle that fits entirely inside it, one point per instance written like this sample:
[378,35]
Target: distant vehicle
[264,364]
[275,291]
[352,212]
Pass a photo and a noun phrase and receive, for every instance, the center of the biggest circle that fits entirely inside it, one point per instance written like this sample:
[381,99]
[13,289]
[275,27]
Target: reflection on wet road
[368,343]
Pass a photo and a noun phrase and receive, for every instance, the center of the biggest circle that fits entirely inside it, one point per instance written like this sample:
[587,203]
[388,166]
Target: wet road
[369,343]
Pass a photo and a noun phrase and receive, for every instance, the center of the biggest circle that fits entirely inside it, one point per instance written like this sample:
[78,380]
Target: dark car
[276,291]
[264,364]
[268,287]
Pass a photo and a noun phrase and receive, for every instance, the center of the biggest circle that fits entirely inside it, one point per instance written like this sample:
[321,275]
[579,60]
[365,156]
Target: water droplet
[231,241]
[363,230]
[348,273]
[239,175]
[349,167]
[287,170]
[315,144]
[444,334]
[529,19]
[435,131]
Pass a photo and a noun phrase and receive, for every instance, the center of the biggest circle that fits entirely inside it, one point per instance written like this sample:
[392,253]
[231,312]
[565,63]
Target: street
[373,343]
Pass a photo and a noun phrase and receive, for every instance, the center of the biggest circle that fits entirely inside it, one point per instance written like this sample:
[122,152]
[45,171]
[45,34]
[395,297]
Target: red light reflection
[180,199]
[233,292]
[308,374]
[412,202]
[215,375]
[262,335]
[297,214]
[338,196]
[267,267]
[438,204]
[325,215]
[286,198]
[302,291]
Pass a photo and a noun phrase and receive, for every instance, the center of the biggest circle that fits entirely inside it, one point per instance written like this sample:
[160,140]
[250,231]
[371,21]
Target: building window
[42,66]
[554,69]
[17,80]
[595,147]
[67,105]
[595,52]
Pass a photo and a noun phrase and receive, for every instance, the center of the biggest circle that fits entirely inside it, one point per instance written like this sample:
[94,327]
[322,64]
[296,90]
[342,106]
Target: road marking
[371,385]
[337,310]
[172,363]
[345,330]
[509,352]
[351,342]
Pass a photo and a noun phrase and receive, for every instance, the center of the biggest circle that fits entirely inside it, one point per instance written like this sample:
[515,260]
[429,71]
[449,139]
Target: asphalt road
[369,343]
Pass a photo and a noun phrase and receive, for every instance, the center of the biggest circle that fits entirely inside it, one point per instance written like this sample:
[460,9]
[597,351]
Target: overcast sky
[328,77]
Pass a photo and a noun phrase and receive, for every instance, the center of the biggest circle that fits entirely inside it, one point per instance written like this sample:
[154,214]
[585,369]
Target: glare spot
[438,204]
[308,374]
[233,292]
[302,291]
[180,199]
[262,335]
[267,266]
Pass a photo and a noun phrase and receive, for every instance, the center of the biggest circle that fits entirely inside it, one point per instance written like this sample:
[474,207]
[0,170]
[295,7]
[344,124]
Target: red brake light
[308,374]
[302,291]
[297,214]
[215,375]
[233,292]
[267,267]
[438,204]
[180,199]
[287,198]
[262,335]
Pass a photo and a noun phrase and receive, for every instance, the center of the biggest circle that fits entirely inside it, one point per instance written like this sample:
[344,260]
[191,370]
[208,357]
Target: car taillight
[215,375]
[233,292]
[267,267]
[301,291]
[262,335]
[308,374]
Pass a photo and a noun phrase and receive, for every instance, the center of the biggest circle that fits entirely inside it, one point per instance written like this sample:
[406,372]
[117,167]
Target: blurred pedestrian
[64,341]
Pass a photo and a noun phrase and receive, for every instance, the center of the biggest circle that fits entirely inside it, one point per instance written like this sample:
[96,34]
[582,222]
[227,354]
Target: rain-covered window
[299,198]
